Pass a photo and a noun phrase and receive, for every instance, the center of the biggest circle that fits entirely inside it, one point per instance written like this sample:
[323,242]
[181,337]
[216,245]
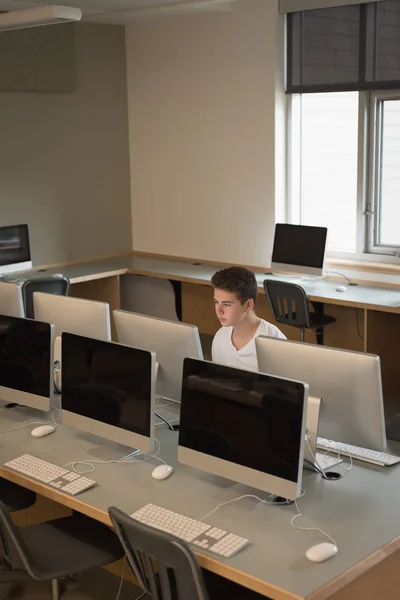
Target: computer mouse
[162,472]
[43,430]
[321,552]
[341,288]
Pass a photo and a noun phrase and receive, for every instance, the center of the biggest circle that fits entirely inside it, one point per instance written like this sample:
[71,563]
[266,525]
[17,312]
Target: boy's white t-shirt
[224,352]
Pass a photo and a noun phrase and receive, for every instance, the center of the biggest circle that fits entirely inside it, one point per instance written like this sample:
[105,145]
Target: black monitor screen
[299,245]
[107,382]
[25,354]
[14,245]
[250,419]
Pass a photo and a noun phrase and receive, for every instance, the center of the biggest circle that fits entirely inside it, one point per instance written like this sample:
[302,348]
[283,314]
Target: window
[338,179]
[344,149]
[384,234]
[326,189]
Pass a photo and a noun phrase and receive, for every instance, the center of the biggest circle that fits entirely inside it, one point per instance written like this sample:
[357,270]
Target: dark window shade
[388,41]
[344,48]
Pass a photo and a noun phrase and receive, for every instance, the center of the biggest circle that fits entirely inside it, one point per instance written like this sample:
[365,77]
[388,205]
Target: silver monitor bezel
[16,267]
[111,432]
[245,475]
[13,293]
[33,400]
[67,305]
[368,429]
[127,325]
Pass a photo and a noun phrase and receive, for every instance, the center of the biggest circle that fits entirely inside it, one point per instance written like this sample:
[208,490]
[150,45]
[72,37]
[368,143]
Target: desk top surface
[361,296]
[360,511]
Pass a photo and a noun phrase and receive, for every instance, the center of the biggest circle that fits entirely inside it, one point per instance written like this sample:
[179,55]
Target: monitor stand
[18,413]
[107,450]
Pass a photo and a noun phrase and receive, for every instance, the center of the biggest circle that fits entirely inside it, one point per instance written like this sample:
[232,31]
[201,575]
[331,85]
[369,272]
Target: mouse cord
[300,514]
[91,464]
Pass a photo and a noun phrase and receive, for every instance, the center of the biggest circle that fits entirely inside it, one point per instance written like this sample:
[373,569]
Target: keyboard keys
[53,475]
[190,530]
[372,456]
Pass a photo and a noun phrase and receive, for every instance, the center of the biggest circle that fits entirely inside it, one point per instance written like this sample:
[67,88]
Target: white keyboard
[372,456]
[57,477]
[195,532]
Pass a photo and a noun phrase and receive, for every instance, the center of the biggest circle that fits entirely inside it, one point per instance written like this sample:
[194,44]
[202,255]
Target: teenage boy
[235,294]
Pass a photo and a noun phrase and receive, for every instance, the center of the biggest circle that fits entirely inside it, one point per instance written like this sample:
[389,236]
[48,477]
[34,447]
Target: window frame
[373,246]
[367,163]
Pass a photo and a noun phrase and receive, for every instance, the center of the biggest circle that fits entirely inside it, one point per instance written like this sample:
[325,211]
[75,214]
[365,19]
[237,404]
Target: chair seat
[316,320]
[15,497]
[70,545]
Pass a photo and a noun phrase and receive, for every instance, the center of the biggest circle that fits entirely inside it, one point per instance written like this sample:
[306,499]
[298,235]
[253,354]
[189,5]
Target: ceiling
[122,11]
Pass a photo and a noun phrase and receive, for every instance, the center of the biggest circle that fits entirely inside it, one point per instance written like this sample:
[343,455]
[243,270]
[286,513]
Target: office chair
[14,496]
[54,551]
[48,285]
[289,304]
[151,296]
[166,567]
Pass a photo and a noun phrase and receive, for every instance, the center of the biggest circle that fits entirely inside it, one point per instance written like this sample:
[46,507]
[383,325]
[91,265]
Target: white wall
[64,157]
[206,152]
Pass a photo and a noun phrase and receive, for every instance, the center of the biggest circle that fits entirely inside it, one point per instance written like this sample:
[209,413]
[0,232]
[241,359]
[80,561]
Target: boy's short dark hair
[238,281]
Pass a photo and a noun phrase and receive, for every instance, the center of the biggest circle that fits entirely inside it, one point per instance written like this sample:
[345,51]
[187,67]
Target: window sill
[378,268]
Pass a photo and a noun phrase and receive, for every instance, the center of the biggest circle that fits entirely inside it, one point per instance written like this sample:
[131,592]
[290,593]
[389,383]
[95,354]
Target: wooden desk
[360,511]
[367,316]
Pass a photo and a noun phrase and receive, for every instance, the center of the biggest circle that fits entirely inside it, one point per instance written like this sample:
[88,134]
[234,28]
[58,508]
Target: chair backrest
[165,567]
[150,296]
[13,549]
[49,285]
[289,303]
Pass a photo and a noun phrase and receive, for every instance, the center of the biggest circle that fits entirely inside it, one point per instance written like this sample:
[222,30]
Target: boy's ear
[250,304]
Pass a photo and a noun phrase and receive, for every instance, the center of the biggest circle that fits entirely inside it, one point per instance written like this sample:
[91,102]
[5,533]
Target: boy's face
[229,309]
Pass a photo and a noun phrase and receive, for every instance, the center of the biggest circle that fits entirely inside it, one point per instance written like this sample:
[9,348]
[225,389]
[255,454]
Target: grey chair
[14,496]
[166,567]
[56,284]
[54,551]
[290,306]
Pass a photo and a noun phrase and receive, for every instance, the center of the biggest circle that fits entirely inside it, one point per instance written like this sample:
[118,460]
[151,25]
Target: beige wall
[64,158]
[207,113]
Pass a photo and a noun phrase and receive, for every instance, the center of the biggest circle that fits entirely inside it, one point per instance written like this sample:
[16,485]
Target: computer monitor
[244,426]
[11,302]
[108,391]
[299,248]
[15,254]
[74,315]
[349,384]
[26,362]
[170,340]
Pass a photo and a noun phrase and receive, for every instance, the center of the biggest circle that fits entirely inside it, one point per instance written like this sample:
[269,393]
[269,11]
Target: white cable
[125,460]
[300,514]
[314,457]
[260,501]
[340,456]
[27,424]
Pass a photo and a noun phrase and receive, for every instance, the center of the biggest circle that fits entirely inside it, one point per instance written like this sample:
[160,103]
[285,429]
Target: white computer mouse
[43,430]
[162,472]
[341,288]
[321,552]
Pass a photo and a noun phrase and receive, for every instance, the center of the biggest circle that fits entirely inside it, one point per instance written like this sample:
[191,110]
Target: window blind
[343,48]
